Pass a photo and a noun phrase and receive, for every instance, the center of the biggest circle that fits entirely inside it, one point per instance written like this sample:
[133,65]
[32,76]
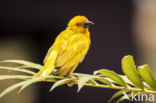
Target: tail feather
[49,65]
[44,71]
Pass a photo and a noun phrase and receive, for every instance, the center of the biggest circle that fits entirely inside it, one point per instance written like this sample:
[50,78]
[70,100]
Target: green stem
[114,87]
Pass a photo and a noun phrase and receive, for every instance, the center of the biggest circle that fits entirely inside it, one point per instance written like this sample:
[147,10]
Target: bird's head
[79,24]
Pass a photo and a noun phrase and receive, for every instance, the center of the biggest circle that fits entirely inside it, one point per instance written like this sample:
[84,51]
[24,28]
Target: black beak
[88,23]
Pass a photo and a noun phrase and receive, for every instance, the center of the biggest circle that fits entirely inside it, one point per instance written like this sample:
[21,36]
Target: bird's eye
[78,24]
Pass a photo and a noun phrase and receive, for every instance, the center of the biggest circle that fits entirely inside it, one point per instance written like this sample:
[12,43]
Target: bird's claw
[71,83]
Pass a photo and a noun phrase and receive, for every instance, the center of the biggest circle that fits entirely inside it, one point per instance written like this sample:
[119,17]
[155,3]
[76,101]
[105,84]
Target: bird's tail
[46,70]
[49,66]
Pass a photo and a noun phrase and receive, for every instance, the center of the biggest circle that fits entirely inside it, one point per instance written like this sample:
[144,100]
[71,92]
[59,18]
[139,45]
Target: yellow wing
[72,54]
[60,41]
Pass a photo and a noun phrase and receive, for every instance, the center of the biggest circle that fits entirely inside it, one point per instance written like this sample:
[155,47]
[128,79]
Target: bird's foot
[71,83]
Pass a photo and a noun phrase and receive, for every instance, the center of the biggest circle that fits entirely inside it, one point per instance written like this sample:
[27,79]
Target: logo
[133,96]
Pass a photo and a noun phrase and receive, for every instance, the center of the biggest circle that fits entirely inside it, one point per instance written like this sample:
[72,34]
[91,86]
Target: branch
[139,79]
[146,91]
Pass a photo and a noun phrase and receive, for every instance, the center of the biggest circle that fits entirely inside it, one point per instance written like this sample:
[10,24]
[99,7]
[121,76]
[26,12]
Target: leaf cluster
[137,78]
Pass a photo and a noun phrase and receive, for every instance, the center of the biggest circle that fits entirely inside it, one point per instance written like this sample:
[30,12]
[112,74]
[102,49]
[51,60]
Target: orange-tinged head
[79,23]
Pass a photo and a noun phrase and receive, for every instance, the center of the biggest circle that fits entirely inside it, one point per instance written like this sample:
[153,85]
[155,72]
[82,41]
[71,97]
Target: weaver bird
[69,48]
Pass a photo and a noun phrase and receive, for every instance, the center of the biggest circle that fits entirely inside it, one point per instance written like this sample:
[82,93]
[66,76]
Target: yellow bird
[69,48]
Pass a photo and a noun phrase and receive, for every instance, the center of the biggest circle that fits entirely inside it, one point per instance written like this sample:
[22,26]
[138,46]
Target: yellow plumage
[69,48]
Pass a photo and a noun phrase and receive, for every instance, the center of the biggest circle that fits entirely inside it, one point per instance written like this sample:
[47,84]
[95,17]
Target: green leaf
[97,78]
[9,89]
[92,81]
[60,82]
[27,63]
[16,69]
[124,98]
[129,82]
[126,80]
[117,94]
[147,75]
[3,77]
[112,75]
[103,80]
[129,68]
[29,82]
[82,81]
